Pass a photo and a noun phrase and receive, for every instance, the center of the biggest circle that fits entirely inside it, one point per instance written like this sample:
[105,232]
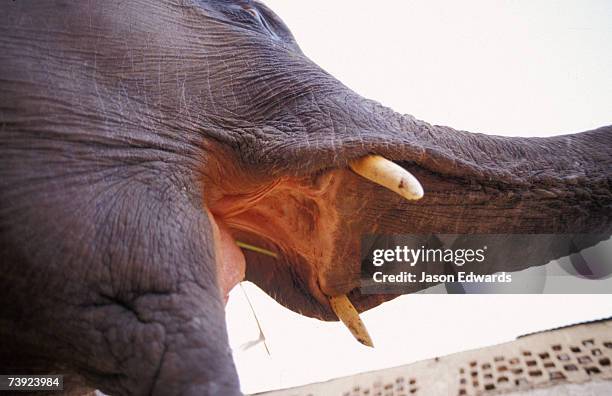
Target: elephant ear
[117,281]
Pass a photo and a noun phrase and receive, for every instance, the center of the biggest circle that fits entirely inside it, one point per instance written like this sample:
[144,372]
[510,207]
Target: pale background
[531,68]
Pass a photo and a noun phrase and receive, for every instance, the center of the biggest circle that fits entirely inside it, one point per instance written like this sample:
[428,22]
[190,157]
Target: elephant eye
[254,13]
[254,17]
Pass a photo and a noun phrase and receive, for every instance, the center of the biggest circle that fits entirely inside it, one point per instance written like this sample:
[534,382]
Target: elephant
[140,139]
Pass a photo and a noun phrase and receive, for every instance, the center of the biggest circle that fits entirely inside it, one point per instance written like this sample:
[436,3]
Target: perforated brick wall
[576,356]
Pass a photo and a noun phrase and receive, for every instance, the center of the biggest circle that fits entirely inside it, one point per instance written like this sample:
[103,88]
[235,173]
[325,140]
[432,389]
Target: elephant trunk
[497,184]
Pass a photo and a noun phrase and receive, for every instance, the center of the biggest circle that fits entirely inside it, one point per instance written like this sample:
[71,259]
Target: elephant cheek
[230,261]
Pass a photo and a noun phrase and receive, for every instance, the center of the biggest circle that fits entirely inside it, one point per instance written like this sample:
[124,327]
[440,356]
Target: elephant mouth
[288,221]
[306,229]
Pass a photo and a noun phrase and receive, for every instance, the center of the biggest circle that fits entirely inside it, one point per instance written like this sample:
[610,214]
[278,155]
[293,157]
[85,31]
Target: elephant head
[139,140]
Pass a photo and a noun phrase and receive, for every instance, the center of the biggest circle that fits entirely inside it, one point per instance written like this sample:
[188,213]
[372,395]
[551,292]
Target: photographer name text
[463,277]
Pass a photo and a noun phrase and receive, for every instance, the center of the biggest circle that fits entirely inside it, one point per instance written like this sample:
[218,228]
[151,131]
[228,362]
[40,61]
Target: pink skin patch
[231,264]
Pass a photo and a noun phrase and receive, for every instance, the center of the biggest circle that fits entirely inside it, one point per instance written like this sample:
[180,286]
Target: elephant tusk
[346,312]
[389,175]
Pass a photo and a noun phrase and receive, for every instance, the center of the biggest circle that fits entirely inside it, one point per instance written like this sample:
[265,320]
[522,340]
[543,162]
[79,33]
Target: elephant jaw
[312,224]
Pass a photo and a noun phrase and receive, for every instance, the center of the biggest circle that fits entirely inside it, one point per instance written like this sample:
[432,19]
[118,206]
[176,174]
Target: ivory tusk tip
[413,192]
[389,175]
[346,312]
[366,342]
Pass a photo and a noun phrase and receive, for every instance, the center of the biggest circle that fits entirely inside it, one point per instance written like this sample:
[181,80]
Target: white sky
[506,67]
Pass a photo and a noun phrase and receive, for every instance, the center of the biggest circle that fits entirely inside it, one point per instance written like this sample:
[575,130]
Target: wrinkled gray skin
[122,122]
